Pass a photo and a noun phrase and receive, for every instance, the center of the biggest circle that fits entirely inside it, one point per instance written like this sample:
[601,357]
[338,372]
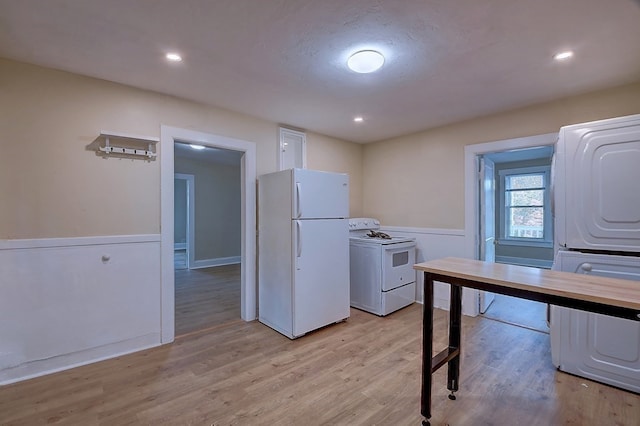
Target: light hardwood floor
[521,312]
[206,298]
[365,371]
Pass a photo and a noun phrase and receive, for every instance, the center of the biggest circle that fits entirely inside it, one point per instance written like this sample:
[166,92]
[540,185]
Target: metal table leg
[455,324]
[449,356]
[427,348]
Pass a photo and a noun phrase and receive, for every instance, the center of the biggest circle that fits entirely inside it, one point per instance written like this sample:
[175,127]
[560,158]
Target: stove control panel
[362,223]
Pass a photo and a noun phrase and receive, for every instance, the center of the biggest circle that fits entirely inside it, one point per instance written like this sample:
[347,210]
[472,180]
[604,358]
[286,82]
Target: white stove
[381,268]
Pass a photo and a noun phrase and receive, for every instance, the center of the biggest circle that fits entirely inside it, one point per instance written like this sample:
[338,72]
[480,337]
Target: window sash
[510,201]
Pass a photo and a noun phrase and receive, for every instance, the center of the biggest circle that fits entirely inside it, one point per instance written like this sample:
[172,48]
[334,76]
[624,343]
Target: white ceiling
[284,60]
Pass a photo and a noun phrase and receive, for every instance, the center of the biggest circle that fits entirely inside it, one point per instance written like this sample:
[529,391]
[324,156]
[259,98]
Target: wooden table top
[609,291]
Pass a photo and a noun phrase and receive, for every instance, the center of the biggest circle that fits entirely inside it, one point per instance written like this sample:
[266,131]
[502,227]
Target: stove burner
[375,234]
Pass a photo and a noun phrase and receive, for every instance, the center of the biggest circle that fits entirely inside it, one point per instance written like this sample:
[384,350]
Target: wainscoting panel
[71,301]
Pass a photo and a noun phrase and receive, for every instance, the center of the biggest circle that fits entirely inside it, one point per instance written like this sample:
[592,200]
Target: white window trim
[503,239]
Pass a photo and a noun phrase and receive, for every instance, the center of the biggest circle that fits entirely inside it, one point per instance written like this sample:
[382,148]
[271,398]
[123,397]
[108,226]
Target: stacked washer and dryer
[381,268]
[597,232]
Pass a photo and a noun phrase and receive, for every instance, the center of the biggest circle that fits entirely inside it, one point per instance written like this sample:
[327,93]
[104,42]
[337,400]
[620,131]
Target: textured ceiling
[284,60]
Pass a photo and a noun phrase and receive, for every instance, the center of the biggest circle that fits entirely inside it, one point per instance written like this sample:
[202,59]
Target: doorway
[479,234]
[207,286]
[170,136]
[515,221]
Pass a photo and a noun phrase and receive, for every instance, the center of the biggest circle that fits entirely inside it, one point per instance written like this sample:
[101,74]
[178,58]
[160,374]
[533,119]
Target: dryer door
[601,162]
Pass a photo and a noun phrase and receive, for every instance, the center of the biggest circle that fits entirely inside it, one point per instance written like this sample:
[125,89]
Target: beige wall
[52,186]
[333,155]
[417,180]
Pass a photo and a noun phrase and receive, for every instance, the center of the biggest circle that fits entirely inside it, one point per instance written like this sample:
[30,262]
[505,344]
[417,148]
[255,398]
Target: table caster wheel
[426,423]
[452,396]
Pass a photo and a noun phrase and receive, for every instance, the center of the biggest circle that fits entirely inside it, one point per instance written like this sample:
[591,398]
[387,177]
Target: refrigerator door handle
[298,212]
[552,186]
[298,243]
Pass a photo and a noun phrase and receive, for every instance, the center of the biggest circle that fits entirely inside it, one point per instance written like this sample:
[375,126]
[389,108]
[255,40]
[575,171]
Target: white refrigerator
[597,231]
[303,250]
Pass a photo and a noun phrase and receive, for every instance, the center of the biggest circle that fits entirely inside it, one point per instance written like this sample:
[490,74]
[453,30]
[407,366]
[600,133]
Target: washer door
[595,346]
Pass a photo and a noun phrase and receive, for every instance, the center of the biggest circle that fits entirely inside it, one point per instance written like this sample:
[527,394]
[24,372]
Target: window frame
[503,237]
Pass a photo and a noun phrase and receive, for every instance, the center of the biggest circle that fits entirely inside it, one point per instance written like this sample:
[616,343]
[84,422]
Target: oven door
[397,265]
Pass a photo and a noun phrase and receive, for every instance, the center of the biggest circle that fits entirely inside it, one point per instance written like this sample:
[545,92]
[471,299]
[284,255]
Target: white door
[487,210]
[599,171]
[596,346]
[320,195]
[321,273]
[293,149]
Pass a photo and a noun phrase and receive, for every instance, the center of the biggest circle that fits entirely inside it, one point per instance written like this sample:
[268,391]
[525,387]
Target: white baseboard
[220,261]
[180,246]
[63,362]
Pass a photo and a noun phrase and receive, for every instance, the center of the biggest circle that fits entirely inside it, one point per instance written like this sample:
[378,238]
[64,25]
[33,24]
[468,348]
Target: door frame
[191,216]
[472,198]
[248,291]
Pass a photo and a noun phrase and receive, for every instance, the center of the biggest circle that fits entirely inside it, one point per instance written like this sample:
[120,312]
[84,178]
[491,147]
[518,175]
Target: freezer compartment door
[594,346]
[321,275]
[320,195]
[600,170]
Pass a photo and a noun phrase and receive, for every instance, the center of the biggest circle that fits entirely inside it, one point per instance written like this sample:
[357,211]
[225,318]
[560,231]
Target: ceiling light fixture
[197,147]
[173,57]
[563,55]
[365,61]
[358,119]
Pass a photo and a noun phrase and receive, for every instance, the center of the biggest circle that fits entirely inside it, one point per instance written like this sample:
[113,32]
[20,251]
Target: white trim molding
[248,294]
[77,241]
[191,216]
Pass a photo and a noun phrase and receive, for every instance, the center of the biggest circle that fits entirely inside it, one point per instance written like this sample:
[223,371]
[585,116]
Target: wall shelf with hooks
[122,144]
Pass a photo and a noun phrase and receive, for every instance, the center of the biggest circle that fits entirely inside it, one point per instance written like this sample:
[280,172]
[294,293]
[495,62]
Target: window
[525,202]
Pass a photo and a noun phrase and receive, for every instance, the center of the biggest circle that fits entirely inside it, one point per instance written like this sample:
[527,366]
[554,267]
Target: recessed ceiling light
[563,55]
[197,147]
[173,57]
[365,61]
[358,119]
